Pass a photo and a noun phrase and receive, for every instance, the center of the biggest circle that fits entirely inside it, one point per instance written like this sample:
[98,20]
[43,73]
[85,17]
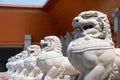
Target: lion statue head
[33,50]
[94,24]
[51,43]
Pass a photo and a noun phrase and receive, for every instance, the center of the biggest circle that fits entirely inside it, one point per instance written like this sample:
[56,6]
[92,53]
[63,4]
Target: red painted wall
[54,19]
[16,22]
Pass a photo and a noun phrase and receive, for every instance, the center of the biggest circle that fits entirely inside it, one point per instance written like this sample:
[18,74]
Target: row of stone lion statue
[35,63]
[91,55]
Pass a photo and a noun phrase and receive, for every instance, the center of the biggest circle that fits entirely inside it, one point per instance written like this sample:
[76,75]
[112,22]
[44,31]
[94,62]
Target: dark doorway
[5,53]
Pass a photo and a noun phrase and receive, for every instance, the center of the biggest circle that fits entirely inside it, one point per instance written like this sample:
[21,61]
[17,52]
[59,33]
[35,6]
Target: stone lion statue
[23,65]
[15,65]
[31,70]
[10,65]
[52,62]
[20,61]
[92,51]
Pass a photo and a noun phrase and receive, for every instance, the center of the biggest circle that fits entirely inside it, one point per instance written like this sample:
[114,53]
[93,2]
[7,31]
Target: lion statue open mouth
[92,51]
